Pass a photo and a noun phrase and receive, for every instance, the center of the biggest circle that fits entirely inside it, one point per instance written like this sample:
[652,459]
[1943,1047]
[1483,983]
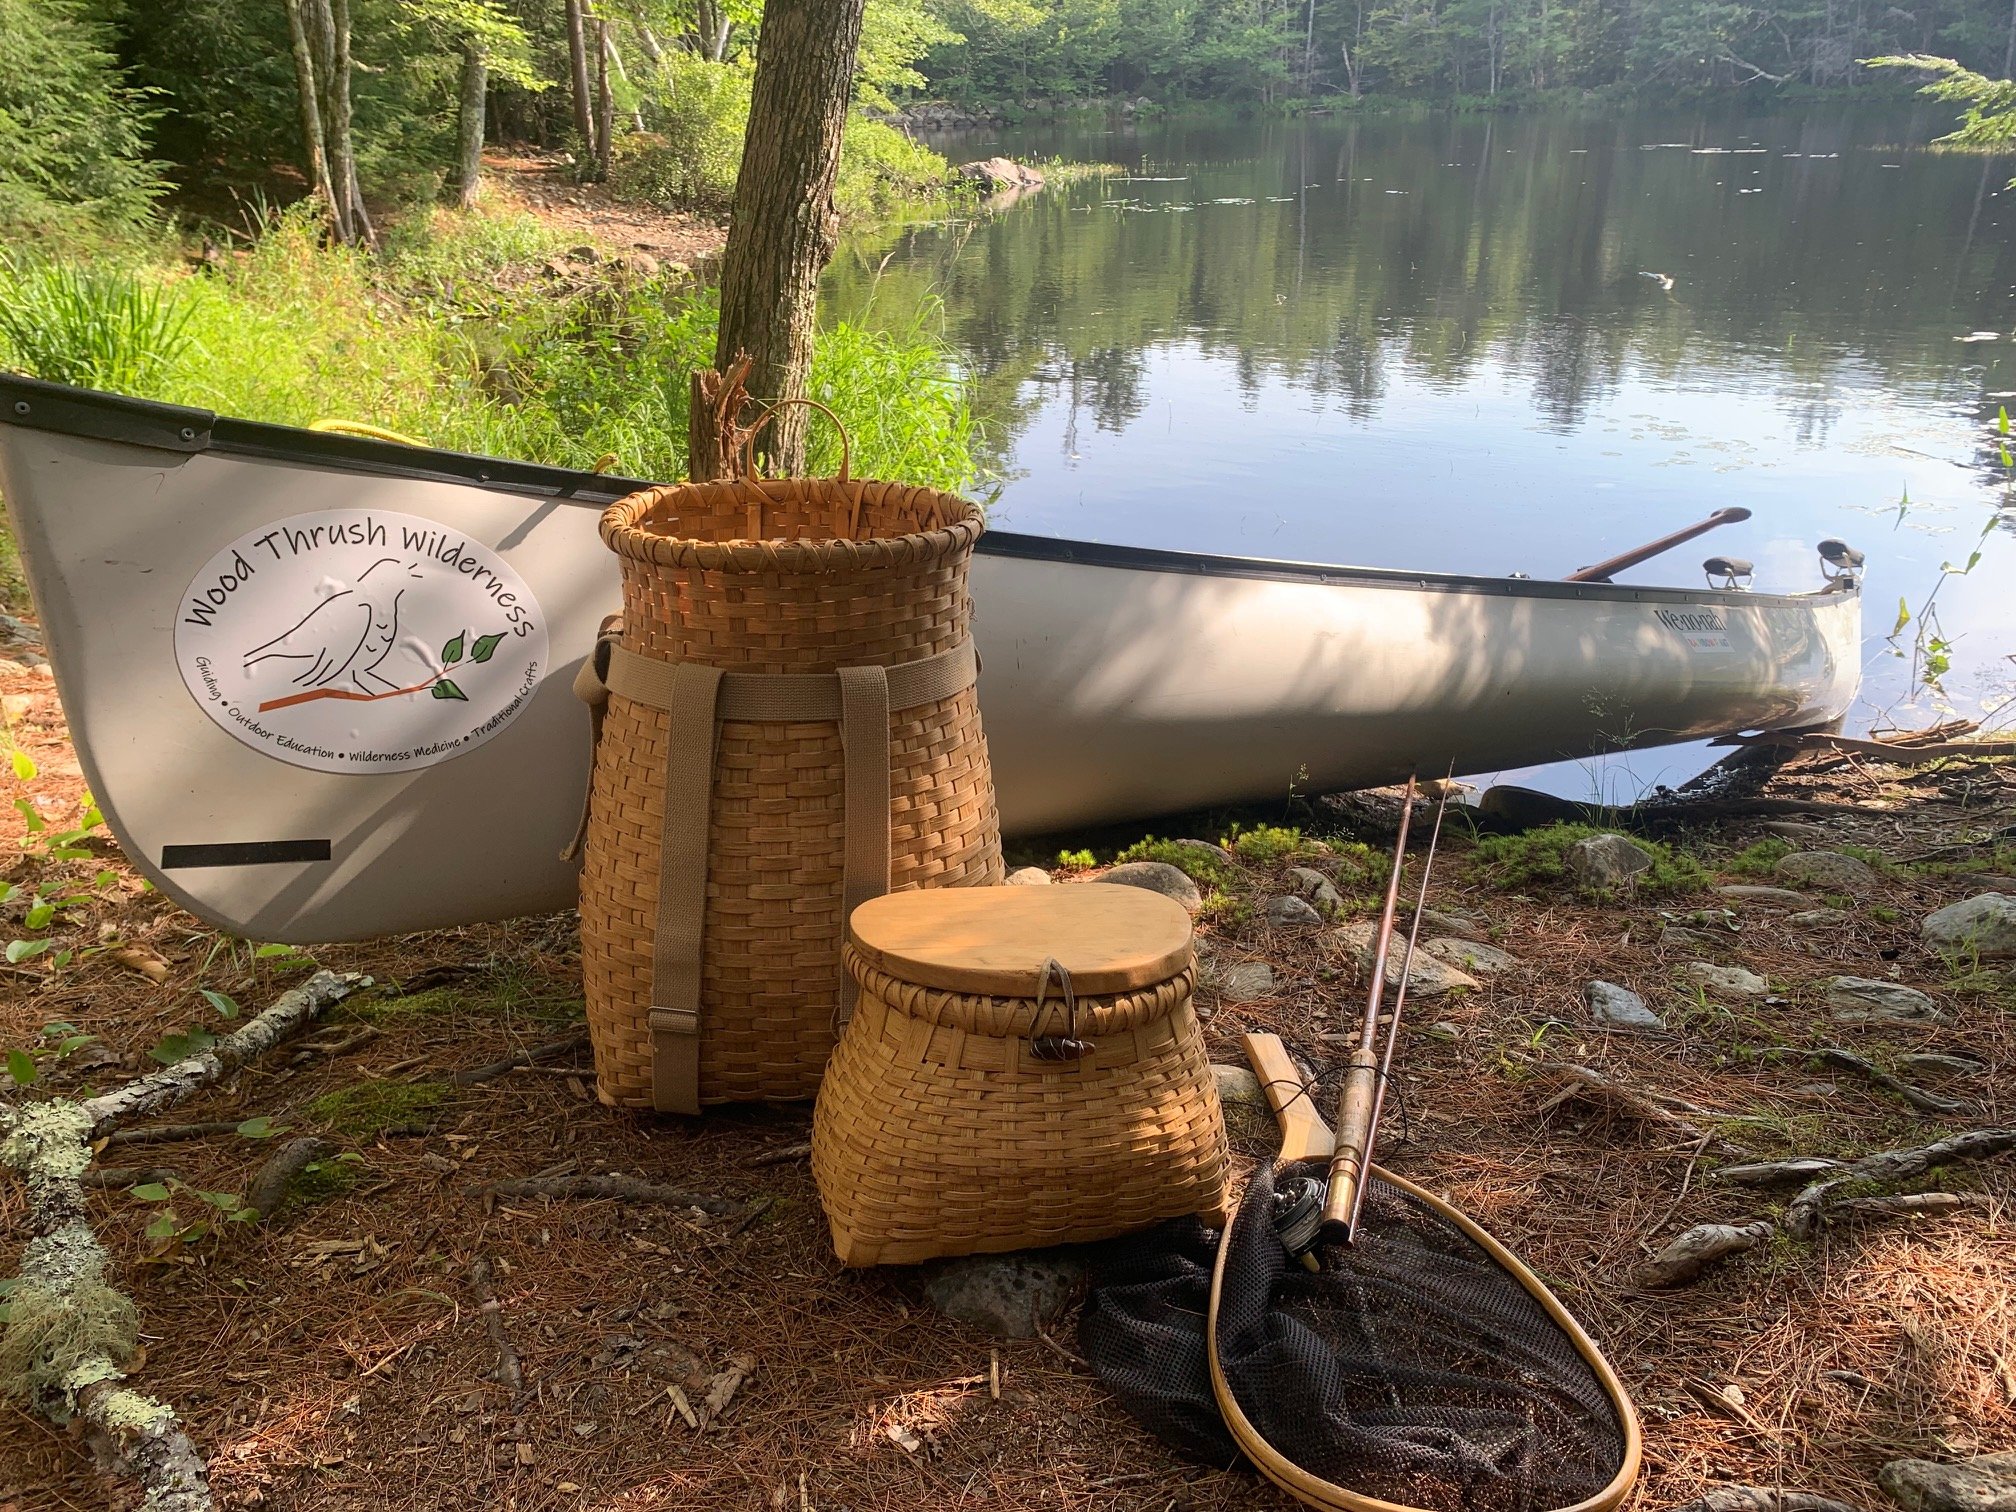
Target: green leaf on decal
[485,648]
[446,689]
[452,652]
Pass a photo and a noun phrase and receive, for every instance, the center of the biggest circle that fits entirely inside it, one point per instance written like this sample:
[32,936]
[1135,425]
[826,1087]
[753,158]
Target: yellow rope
[359,428]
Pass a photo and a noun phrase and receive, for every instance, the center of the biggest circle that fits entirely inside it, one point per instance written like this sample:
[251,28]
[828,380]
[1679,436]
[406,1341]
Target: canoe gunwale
[36,404]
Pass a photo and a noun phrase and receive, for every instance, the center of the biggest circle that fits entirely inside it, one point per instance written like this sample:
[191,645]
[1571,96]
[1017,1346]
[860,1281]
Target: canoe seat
[1728,571]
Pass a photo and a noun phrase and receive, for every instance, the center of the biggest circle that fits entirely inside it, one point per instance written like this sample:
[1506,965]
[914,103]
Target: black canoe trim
[40,405]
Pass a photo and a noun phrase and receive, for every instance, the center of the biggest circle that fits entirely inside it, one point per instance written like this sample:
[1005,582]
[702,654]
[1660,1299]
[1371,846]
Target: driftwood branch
[1777,1173]
[70,1332]
[1764,1499]
[622,1188]
[538,1055]
[1907,1205]
[1806,1212]
[1701,1246]
[291,1012]
[509,1372]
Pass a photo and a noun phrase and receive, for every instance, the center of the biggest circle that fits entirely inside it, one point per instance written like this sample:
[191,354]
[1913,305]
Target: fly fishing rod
[1364,1092]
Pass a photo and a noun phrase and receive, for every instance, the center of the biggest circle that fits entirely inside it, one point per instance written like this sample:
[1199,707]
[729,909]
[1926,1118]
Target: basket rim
[1009,1018]
[623,533]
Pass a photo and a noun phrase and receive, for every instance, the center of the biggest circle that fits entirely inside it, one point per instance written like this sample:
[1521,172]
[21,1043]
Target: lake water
[1428,342]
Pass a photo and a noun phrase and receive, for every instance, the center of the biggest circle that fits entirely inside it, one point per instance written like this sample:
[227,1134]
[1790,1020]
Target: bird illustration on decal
[349,634]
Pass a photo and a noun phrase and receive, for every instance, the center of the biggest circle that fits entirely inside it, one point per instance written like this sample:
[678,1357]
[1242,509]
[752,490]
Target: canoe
[320,684]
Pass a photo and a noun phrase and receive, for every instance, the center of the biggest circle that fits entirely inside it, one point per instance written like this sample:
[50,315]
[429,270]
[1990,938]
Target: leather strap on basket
[699,699]
[682,888]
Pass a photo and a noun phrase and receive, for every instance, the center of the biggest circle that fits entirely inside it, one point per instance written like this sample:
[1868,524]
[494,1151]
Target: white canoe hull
[1117,683]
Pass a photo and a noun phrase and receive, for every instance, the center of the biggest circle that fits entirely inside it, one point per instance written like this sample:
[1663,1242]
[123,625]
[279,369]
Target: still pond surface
[1433,343]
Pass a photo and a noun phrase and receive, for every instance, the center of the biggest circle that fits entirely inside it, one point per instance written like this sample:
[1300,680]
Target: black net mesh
[1412,1368]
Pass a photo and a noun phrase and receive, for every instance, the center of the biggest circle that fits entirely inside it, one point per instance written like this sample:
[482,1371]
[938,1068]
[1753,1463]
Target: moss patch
[1538,858]
[1759,860]
[368,1109]
[388,1009]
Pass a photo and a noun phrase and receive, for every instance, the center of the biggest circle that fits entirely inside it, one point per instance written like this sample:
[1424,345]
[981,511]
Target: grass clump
[1758,860]
[366,1110]
[1202,864]
[1266,844]
[1538,858]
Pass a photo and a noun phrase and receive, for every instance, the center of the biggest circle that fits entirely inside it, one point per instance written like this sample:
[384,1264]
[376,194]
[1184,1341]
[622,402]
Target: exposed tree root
[536,1056]
[1806,1212]
[509,1372]
[70,1332]
[622,1188]
[1593,1088]
[1848,1060]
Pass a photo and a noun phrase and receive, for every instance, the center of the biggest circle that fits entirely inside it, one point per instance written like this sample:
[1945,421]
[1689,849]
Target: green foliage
[1205,866]
[72,132]
[367,1109]
[100,327]
[1537,858]
[689,158]
[1078,860]
[1990,117]
[1759,859]
[1265,844]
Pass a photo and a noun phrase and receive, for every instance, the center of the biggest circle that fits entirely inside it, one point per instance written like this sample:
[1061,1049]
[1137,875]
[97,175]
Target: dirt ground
[335,1357]
[541,182]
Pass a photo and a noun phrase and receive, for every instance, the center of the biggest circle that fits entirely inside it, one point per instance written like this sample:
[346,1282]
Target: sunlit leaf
[24,766]
[22,950]
[30,816]
[1903,617]
[221,1002]
[39,916]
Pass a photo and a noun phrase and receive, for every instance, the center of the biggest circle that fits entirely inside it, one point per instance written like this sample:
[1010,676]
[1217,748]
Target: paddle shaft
[1361,1077]
[1602,572]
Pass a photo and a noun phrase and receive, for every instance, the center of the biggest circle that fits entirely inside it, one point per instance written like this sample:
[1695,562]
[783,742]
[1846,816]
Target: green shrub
[1537,858]
[881,168]
[72,133]
[1078,860]
[700,111]
[1266,844]
[1203,865]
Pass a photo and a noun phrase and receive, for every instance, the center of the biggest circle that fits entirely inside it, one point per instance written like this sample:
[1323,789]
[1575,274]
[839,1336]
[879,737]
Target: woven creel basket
[1023,1067]
[778,584]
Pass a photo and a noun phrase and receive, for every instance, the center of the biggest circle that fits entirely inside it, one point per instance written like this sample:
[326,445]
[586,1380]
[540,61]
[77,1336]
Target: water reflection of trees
[1431,248]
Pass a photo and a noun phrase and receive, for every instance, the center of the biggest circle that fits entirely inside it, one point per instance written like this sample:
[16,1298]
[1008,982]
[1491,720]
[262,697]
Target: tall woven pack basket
[1023,1067]
[791,727]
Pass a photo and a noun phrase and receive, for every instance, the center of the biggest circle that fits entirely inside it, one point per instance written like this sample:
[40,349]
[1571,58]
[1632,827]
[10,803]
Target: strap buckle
[673,1020]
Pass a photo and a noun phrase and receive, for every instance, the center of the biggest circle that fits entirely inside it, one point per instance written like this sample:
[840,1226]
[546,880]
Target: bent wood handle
[1602,572]
[1354,1145]
[1304,1135]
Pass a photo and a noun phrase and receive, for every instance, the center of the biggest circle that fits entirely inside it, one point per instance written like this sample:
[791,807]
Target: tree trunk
[342,148]
[2009,56]
[469,121]
[781,229]
[312,140]
[577,75]
[711,27]
[605,102]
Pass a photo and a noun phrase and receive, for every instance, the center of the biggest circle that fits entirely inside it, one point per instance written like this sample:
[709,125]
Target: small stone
[1454,926]
[1764,897]
[1287,910]
[1830,871]
[1793,829]
[1816,918]
[1204,847]
[1470,955]
[1986,1483]
[1246,982]
[1316,889]
[1029,876]
[1237,1085]
[1011,1296]
[1156,876]
[1427,978]
[1983,926]
[1729,981]
[1678,937]
[1617,1007]
[1865,1000]
[1606,862]
[1992,882]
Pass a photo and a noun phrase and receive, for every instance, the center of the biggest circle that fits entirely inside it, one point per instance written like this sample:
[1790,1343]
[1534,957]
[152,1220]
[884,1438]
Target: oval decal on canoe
[357,640]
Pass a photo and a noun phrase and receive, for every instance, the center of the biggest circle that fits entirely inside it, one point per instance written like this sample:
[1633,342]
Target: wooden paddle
[1602,572]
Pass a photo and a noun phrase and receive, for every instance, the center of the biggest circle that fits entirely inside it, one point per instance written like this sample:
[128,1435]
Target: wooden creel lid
[993,941]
